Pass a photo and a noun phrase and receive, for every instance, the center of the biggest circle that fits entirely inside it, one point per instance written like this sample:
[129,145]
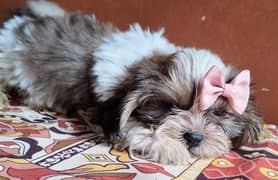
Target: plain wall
[242,33]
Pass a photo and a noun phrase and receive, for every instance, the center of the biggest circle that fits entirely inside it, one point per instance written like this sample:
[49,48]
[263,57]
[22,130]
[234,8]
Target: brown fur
[172,112]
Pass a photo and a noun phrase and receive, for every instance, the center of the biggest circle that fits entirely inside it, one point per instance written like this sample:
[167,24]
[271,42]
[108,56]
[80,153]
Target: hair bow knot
[237,92]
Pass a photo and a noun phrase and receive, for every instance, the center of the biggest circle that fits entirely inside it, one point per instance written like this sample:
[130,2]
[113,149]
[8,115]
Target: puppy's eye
[153,111]
[219,112]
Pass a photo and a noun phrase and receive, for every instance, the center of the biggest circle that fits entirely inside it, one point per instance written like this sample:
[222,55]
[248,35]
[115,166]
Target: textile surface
[48,145]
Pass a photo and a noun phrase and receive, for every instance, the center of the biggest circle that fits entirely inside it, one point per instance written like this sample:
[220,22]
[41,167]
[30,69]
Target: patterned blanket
[47,145]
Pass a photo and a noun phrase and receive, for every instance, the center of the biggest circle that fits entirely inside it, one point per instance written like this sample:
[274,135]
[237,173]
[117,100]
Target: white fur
[197,62]
[120,51]
[8,42]
[45,8]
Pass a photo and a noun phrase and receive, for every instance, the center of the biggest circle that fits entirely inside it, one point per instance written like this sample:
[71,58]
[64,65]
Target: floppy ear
[253,124]
[252,119]
[131,102]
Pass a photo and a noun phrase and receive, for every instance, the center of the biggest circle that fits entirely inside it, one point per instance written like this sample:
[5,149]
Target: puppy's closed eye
[220,112]
[153,111]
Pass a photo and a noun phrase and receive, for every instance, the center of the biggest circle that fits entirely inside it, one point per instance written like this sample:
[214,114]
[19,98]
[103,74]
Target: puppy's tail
[40,8]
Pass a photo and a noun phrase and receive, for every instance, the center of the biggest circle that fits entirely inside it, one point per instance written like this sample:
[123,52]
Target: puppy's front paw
[115,137]
[4,99]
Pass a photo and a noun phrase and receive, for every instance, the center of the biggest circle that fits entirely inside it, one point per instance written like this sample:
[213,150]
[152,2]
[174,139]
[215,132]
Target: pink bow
[237,92]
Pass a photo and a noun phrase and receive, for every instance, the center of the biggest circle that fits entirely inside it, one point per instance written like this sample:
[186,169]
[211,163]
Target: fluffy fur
[141,89]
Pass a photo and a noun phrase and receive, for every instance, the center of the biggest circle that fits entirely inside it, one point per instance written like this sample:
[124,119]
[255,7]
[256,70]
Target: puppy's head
[161,118]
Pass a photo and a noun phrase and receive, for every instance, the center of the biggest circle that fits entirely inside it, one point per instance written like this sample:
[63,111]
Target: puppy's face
[161,118]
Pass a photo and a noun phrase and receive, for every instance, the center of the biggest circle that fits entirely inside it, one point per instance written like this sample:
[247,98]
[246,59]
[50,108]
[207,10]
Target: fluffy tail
[44,8]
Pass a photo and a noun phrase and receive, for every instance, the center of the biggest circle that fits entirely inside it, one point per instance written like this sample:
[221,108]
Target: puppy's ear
[252,117]
[131,103]
[253,124]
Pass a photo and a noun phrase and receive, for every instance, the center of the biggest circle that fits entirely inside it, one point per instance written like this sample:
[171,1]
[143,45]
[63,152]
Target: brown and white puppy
[136,84]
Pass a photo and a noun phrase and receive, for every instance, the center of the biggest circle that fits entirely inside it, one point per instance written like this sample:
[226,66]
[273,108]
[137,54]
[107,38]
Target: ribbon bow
[237,92]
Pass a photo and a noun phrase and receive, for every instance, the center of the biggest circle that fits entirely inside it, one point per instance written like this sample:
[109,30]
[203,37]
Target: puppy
[147,94]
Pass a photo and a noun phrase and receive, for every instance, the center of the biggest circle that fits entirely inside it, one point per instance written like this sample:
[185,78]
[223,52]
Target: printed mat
[44,145]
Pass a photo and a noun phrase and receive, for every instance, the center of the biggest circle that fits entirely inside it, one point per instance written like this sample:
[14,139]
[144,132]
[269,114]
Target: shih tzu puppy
[163,102]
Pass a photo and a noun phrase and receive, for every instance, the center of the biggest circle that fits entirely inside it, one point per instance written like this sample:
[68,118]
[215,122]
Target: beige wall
[243,33]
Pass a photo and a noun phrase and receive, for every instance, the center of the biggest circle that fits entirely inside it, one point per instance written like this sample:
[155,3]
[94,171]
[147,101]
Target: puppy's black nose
[192,139]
